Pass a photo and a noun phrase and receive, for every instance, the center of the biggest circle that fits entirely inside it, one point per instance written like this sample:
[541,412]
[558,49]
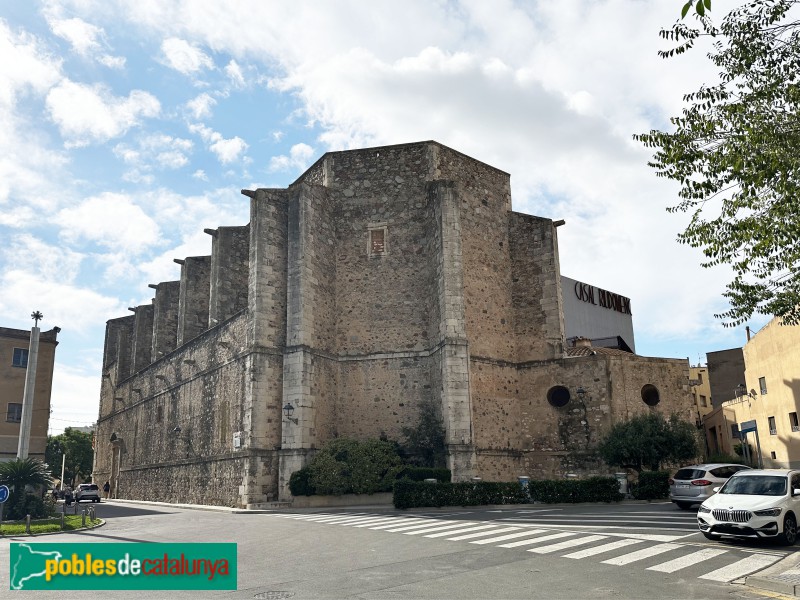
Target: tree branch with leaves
[734,152]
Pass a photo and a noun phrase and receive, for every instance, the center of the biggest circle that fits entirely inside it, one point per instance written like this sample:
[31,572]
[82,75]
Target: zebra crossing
[608,546]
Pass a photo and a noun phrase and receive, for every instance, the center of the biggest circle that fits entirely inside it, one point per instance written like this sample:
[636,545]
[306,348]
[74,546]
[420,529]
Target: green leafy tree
[77,446]
[346,466]
[648,441]
[18,474]
[734,152]
[425,442]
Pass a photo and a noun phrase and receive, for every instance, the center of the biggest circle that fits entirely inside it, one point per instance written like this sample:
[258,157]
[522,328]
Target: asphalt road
[549,552]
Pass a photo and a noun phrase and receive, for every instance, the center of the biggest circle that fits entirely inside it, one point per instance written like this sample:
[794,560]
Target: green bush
[652,485]
[300,483]
[423,473]
[725,458]
[345,466]
[19,505]
[411,494]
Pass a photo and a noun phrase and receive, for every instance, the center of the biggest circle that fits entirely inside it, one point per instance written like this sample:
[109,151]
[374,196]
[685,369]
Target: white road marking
[544,538]
[752,563]
[687,561]
[411,521]
[641,554]
[482,534]
[458,531]
[581,541]
[384,521]
[438,528]
[604,548]
[511,536]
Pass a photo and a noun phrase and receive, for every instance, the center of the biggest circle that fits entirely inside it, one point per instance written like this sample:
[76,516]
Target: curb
[206,507]
[79,530]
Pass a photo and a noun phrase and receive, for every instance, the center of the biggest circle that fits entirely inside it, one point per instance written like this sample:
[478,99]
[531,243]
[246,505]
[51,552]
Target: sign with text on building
[599,297]
[122,566]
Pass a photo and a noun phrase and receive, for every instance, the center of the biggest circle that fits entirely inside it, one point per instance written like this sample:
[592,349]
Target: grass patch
[71,522]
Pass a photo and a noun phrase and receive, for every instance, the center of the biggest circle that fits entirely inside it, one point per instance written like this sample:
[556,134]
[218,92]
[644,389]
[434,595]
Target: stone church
[381,280]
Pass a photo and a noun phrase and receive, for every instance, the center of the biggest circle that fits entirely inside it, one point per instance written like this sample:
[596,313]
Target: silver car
[695,483]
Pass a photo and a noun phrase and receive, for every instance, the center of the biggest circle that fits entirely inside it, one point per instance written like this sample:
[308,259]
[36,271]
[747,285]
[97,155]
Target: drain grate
[273,595]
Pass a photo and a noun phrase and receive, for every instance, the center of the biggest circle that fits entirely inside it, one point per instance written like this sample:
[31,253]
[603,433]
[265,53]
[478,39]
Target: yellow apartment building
[701,391]
[14,345]
[770,397]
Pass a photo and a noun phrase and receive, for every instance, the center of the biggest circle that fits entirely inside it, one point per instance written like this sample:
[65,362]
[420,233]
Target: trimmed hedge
[300,483]
[410,494]
[652,485]
[423,473]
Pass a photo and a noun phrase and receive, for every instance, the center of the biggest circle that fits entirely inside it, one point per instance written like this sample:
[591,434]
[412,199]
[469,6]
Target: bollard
[28,524]
[62,521]
[83,518]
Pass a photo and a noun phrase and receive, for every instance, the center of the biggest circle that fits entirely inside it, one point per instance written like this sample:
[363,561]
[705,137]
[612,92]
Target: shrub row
[652,485]
[410,494]
[301,483]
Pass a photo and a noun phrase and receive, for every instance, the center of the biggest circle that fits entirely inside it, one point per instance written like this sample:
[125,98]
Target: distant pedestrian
[107,489]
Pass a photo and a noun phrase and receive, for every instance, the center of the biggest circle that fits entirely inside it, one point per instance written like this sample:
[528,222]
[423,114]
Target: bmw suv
[754,504]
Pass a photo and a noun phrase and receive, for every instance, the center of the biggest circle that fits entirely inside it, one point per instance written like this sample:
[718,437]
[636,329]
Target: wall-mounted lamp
[581,393]
[288,410]
[740,390]
[752,394]
[177,430]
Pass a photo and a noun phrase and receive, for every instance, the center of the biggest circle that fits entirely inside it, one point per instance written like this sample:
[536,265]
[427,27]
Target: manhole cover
[273,595]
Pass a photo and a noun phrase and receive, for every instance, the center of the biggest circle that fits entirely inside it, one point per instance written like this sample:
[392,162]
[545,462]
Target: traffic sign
[747,426]
[3,493]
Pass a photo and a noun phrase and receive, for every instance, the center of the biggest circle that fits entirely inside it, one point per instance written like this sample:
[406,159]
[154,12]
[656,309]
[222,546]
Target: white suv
[754,504]
[87,491]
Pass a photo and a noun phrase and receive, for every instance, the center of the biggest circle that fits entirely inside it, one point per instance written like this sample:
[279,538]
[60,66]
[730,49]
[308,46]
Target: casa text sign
[599,297]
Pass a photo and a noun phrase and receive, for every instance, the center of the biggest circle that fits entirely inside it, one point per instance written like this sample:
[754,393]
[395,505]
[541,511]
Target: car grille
[732,516]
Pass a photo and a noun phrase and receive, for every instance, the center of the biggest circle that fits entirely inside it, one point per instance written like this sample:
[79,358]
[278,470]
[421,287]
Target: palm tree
[22,472]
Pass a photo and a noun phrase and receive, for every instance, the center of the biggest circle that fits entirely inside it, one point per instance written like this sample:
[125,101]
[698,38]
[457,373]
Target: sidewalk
[783,577]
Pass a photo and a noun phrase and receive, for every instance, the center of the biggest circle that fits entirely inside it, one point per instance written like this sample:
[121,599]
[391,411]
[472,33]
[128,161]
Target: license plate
[682,486]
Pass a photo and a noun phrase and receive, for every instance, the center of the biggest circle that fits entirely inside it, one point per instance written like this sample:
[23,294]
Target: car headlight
[703,509]
[767,512]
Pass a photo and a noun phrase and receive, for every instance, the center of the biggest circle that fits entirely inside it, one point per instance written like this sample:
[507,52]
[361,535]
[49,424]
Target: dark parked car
[695,483]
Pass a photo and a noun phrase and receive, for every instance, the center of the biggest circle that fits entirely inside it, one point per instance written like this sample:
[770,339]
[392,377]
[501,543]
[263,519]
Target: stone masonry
[383,279]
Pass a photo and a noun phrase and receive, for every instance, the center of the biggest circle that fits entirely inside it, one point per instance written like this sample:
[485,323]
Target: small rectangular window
[735,431]
[703,401]
[20,358]
[793,421]
[762,383]
[773,430]
[14,412]
[377,241]
[700,376]
[773,455]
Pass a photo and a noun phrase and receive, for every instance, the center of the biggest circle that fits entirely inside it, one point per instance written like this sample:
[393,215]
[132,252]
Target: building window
[735,431]
[377,240]
[20,358]
[773,455]
[773,430]
[793,421]
[558,396]
[650,395]
[762,383]
[14,412]
[703,401]
[700,377]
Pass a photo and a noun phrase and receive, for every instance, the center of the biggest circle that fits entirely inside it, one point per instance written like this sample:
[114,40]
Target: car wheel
[711,536]
[789,535]
[684,505]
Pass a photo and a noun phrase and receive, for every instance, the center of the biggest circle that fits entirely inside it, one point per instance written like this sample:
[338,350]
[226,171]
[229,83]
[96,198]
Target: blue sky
[127,128]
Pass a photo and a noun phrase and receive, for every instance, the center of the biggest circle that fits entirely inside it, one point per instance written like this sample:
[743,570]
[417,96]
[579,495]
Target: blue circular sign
[3,493]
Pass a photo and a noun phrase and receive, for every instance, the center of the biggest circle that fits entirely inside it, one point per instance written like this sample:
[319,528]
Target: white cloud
[298,159]
[111,220]
[155,151]
[63,304]
[185,57]
[76,394]
[86,39]
[49,262]
[86,114]
[234,73]
[200,106]
[200,174]
[227,150]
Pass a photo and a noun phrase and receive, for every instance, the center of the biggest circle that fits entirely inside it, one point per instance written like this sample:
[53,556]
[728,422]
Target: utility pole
[30,384]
